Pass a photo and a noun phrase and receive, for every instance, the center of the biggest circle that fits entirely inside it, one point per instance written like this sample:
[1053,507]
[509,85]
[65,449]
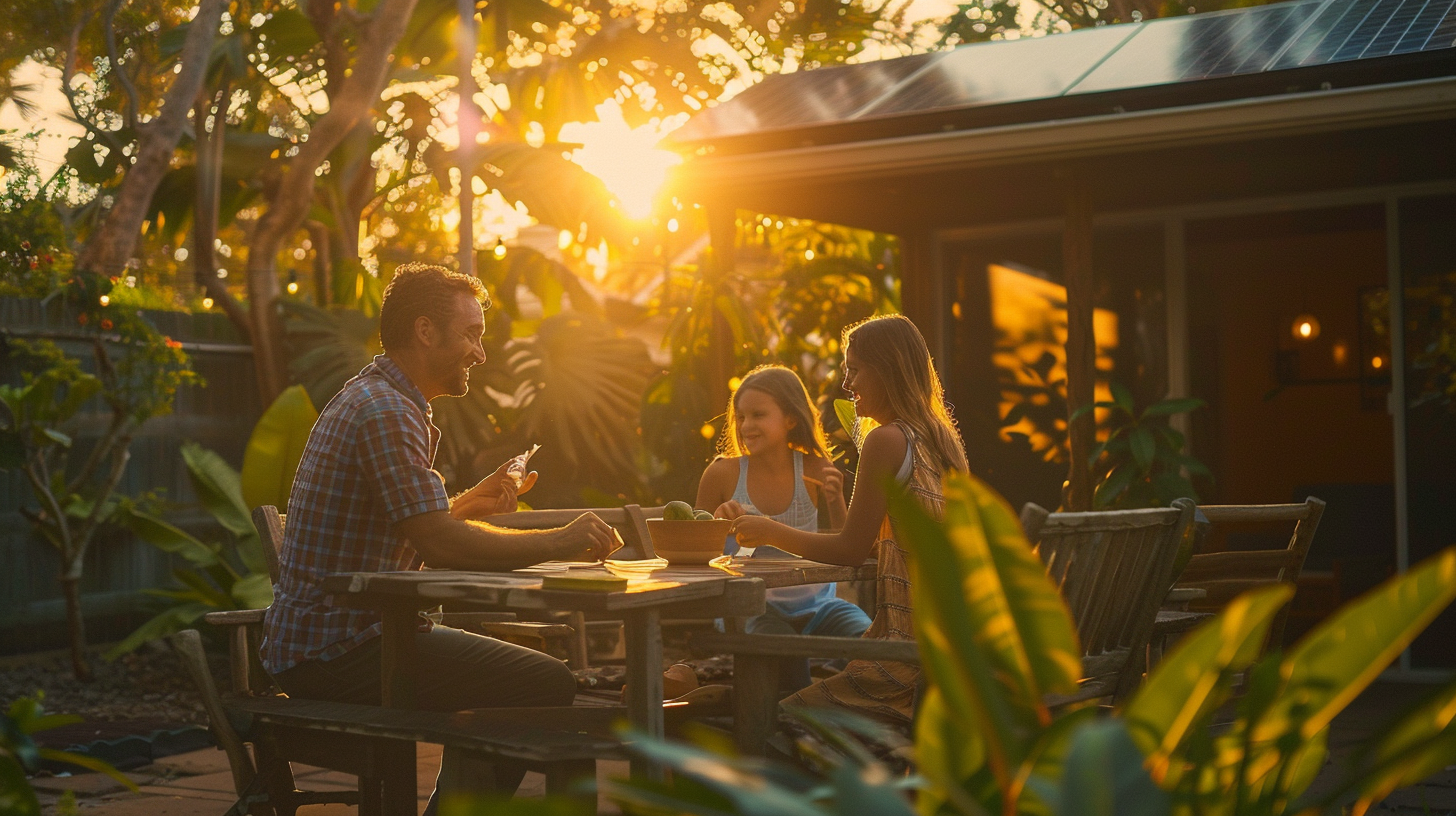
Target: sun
[625,158]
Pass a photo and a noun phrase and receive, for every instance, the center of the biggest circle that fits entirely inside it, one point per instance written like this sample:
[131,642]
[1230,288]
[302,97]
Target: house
[1227,200]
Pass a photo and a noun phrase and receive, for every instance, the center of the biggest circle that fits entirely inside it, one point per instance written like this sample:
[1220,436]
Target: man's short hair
[421,289]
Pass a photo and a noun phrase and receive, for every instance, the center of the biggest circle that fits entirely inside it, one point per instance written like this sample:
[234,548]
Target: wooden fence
[218,414]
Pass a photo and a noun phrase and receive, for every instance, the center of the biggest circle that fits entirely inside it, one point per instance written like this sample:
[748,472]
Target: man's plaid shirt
[366,467]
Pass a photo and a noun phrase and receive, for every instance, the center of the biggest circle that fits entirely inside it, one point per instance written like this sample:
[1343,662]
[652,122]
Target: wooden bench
[377,745]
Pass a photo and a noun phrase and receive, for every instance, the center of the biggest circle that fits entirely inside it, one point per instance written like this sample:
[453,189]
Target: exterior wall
[218,415]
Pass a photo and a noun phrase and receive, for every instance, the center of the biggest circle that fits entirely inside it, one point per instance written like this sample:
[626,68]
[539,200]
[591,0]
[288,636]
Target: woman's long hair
[895,350]
[785,388]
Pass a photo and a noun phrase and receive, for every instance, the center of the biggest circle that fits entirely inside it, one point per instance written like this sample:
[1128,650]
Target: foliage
[220,576]
[41,418]
[996,640]
[794,287]
[1141,462]
[1431,317]
[275,449]
[19,755]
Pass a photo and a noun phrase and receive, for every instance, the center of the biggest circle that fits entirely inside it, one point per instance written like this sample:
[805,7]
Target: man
[366,499]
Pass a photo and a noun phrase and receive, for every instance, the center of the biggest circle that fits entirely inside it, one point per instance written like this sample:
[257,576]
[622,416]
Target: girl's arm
[716,486]
[884,451]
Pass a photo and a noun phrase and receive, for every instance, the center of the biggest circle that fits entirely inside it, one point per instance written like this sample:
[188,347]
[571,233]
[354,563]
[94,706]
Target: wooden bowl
[688,542]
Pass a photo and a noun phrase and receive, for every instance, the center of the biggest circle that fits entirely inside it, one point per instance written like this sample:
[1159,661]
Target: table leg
[398,779]
[755,701]
[643,632]
[397,657]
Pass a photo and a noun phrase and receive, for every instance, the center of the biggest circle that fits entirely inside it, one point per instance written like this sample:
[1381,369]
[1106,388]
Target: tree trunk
[468,124]
[205,209]
[112,244]
[722,356]
[1081,342]
[76,626]
[290,203]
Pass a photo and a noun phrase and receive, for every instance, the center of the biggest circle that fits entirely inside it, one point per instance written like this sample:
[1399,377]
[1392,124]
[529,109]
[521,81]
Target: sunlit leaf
[275,448]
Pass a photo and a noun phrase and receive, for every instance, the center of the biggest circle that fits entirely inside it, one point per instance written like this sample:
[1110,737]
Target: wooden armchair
[1114,568]
[1225,575]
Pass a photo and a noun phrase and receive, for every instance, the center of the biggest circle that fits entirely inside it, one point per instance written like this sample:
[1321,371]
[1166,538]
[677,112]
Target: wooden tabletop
[521,589]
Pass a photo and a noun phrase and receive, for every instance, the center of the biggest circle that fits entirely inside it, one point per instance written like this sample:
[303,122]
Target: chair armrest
[898,651]
[235,617]
[470,620]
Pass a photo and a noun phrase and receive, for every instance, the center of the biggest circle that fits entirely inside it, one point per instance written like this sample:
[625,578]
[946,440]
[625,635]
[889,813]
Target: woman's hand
[730,510]
[494,494]
[833,487]
[758,531]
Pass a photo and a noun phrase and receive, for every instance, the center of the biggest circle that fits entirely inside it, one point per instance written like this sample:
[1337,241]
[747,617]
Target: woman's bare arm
[884,451]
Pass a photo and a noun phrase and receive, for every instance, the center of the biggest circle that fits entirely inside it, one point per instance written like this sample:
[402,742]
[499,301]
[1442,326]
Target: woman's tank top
[801,515]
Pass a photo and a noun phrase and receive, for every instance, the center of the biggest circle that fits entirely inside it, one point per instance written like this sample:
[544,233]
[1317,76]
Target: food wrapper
[517,469]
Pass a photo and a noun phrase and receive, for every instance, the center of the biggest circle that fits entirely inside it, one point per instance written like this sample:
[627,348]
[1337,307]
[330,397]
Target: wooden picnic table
[732,589]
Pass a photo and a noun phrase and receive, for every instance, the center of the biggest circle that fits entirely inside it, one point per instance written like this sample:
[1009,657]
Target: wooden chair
[1114,568]
[1225,575]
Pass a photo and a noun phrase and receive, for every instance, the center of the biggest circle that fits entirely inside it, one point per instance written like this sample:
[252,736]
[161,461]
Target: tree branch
[83,535]
[123,78]
[111,245]
[289,206]
[98,453]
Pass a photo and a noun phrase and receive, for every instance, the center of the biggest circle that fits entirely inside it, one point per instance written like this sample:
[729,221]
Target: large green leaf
[165,623]
[1104,775]
[963,635]
[1418,744]
[166,537]
[16,795]
[253,591]
[1330,666]
[219,488]
[276,447]
[1184,687]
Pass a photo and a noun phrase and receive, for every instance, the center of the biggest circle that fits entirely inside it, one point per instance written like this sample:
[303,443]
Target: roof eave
[1286,115]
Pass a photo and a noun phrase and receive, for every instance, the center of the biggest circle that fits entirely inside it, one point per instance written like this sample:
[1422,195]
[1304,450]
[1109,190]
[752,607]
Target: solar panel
[1180,49]
[1240,42]
[804,97]
[1000,72]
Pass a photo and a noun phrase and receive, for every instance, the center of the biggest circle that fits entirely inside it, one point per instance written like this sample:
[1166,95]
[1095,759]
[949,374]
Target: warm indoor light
[1341,352]
[1377,362]
[1305,327]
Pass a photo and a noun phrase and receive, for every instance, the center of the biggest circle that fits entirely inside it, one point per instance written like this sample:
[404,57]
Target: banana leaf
[275,448]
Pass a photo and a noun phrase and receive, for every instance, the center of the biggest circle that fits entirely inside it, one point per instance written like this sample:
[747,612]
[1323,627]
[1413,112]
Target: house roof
[1277,49]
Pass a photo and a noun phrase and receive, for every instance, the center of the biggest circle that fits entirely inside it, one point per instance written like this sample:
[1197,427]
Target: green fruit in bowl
[677,511]
[702,515]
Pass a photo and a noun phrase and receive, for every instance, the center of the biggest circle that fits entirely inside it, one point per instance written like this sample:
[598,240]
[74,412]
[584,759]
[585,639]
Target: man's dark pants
[454,670]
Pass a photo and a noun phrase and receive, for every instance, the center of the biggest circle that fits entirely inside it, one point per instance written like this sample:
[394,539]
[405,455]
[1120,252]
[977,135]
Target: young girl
[888,371]
[775,463]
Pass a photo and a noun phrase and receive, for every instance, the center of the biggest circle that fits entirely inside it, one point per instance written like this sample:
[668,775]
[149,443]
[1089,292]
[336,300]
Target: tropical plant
[1141,462]
[19,755]
[76,496]
[275,448]
[997,642]
[220,575]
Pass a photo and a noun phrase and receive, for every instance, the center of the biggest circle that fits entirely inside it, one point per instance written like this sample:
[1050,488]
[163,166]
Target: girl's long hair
[896,351]
[785,388]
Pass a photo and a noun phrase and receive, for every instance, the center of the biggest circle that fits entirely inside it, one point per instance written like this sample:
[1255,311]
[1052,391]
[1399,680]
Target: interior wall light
[1305,327]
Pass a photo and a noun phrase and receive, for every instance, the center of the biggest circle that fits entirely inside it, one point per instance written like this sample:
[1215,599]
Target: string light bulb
[207,303]
[500,250]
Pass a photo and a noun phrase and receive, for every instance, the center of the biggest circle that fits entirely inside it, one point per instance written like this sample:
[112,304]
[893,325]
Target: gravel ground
[146,685]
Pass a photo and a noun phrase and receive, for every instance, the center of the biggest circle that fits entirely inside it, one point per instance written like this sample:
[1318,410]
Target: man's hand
[495,494]
[588,538]
[730,510]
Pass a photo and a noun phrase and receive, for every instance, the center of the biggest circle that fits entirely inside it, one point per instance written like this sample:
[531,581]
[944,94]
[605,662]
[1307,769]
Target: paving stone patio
[199,784]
